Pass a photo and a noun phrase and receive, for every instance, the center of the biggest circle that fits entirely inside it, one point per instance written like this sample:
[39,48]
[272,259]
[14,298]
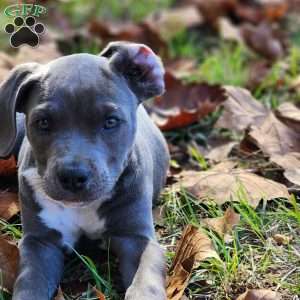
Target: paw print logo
[24,32]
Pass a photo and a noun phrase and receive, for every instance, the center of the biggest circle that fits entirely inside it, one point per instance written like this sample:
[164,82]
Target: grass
[92,272]
[13,230]
[198,157]
[226,65]
[135,10]
[252,259]
[185,45]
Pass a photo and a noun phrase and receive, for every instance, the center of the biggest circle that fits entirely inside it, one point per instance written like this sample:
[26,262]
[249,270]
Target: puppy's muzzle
[73,178]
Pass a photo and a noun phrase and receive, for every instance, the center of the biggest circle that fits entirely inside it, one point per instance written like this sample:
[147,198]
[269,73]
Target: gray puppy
[92,162]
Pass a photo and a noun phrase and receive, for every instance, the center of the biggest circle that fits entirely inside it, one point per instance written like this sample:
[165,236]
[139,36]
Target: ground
[263,248]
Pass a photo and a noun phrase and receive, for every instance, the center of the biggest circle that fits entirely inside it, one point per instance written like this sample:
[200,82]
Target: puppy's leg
[142,266]
[40,270]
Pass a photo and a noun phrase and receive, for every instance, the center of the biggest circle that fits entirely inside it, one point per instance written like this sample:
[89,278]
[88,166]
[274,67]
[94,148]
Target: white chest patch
[70,221]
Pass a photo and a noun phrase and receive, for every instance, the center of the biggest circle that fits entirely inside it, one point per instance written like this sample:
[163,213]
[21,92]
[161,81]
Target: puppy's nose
[73,179]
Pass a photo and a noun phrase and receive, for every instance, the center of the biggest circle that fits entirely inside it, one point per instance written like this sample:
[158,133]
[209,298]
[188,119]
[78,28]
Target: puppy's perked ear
[11,91]
[138,64]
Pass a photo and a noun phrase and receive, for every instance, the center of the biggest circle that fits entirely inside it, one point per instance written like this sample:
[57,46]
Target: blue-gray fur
[126,167]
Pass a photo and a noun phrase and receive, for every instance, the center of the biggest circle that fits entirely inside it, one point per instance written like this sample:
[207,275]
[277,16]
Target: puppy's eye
[43,124]
[111,122]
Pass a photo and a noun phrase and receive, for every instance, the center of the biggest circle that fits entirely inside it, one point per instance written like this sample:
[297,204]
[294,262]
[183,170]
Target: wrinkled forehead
[82,79]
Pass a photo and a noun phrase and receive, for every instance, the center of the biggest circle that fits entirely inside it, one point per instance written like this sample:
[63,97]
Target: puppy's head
[80,116]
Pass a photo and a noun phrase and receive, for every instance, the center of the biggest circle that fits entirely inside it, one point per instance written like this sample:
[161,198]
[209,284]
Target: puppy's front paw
[145,293]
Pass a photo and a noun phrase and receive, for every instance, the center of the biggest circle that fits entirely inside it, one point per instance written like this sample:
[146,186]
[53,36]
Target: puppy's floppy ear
[11,92]
[137,63]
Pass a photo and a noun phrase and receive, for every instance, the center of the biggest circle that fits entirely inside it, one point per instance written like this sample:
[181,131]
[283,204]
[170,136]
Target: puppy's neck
[68,219]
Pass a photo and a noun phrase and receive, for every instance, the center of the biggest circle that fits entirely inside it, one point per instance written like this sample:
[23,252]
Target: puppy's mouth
[70,199]
[57,195]
[52,192]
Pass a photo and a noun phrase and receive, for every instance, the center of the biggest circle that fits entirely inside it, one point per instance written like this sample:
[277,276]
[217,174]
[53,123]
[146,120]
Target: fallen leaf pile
[254,25]
[276,134]
[240,110]
[155,31]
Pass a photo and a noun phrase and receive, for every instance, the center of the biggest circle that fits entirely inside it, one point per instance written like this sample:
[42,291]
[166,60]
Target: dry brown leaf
[194,246]
[287,161]
[268,133]
[184,104]
[282,239]
[229,31]
[293,175]
[295,84]
[6,63]
[249,11]
[274,137]
[223,186]
[221,152]
[263,40]
[223,225]
[182,67]
[99,294]
[268,10]
[139,33]
[59,295]
[8,166]
[294,5]
[153,31]
[225,165]
[240,110]
[9,205]
[289,114]
[42,54]
[259,294]
[289,111]
[274,9]
[258,72]
[167,23]
[9,261]
[213,9]
[291,164]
